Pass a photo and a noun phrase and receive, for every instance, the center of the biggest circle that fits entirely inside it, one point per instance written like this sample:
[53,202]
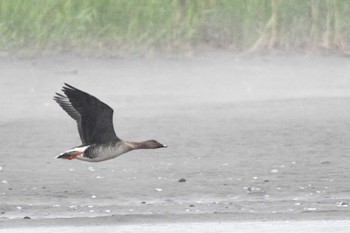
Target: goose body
[95,126]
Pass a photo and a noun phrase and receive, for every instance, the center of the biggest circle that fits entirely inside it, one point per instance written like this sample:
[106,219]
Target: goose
[95,126]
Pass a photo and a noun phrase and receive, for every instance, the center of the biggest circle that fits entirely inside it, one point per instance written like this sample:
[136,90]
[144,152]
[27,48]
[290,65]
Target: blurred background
[129,27]
[251,96]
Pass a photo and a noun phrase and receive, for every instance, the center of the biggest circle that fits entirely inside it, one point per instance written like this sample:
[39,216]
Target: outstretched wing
[94,118]
[63,101]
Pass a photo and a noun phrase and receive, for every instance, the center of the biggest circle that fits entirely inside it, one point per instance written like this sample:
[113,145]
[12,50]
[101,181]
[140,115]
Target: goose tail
[73,153]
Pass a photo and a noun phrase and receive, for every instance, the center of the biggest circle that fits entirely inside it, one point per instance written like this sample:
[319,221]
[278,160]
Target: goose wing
[64,102]
[94,118]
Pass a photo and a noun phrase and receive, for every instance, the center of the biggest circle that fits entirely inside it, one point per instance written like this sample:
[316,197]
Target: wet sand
[254,138]
[209,226]
[182,223]
[240,223]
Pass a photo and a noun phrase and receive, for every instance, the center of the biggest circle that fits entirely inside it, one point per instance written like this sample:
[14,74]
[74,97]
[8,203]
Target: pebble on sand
[310,209]
[182,180]
[343,204]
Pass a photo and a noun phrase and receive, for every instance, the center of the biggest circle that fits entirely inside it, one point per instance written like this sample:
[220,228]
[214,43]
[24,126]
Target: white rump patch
[76,149]
[80,149]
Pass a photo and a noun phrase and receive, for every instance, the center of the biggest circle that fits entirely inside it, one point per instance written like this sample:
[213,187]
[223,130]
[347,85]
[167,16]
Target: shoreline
[280,161]
[174,218]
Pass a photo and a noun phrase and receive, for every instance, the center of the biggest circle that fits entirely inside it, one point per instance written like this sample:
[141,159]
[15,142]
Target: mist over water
[249,135]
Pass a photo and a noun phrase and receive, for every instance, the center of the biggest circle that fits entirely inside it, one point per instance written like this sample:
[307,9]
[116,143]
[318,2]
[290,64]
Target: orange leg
[72,156]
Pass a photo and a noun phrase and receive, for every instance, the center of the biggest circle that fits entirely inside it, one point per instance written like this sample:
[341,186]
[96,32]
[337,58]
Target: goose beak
[165,146]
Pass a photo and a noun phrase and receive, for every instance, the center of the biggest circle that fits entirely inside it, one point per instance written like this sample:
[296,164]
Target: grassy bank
[142,26]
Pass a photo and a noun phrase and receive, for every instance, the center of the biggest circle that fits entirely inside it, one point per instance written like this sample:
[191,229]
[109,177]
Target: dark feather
[94,118]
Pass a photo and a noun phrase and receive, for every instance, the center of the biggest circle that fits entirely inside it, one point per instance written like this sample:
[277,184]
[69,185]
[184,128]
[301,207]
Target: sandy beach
[220,227]
[259,141]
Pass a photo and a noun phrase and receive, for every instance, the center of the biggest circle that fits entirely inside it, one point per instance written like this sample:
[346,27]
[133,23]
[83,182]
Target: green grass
[144,26]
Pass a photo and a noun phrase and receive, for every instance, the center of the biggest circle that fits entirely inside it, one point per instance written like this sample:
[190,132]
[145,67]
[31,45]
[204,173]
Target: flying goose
[95,126]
